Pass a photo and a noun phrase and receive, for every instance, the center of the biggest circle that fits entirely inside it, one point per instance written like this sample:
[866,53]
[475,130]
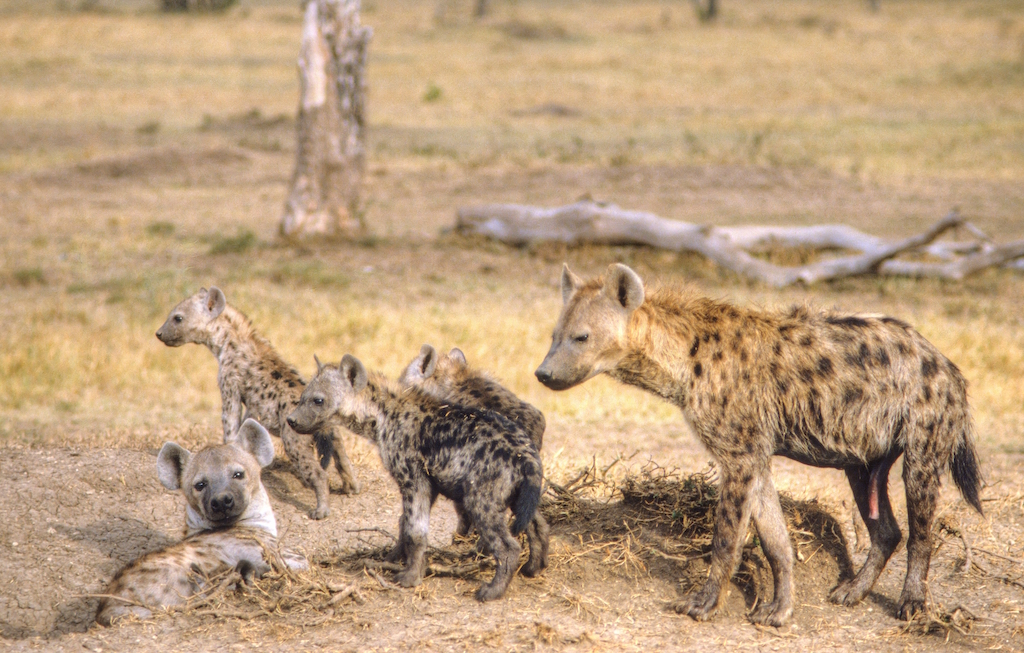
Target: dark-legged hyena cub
[229,523]
[255,379]
[451,379]
[854,392]
[477,458]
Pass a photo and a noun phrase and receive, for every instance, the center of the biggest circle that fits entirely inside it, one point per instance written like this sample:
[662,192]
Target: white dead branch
[733,247]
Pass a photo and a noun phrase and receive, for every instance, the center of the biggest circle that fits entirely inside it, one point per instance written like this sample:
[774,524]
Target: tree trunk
[330,156]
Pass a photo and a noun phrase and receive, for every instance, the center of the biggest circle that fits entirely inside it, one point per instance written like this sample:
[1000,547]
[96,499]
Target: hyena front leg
[921,479]
[870,490]
[349,483]
[774,537]
[731,518]
[413,528]
[301,450]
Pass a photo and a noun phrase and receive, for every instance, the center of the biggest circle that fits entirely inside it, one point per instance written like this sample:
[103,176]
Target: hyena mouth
[224,510]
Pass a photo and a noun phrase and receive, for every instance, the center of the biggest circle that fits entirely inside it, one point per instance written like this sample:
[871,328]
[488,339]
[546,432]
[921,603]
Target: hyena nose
[291,422]
[543,375]
[223,503]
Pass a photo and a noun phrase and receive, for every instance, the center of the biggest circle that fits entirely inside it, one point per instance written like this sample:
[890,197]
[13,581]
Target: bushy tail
[527,500]
[964,468]
[324,441]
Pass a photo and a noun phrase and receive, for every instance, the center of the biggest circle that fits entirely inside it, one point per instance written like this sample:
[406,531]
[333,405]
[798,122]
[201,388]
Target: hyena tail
[964,468]
[526,501]
[324,441]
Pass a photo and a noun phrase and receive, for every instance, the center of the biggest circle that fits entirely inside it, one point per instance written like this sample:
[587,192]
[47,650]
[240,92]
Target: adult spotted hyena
[852,392]
[477,458]
[451,379]
[229,525]
[255,379]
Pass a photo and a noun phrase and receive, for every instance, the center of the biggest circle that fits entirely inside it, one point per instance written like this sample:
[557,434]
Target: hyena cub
[229,525]
[482,461]
[853,392]
[451,379]
[255,379]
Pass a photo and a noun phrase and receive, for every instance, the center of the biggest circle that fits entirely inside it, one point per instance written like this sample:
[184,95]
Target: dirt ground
[73,517]
[138,170]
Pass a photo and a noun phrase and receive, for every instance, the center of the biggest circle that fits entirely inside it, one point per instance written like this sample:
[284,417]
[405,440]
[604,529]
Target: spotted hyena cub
[853,392]
[479,459]
[450,378]
[229,525]
[256,381]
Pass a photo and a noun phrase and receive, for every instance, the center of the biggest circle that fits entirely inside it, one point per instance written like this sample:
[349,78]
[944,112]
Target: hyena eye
[318,401]
[178,318]
[238,474]
[581,338]
[200,486]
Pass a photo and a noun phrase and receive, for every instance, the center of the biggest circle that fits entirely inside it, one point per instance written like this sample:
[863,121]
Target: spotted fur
[479,459]
[853,392]
[230,526]
[255,381]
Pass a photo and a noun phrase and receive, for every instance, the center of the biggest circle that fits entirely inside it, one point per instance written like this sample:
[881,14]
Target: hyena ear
[456,356]
[426,362]
[215,301]
[319,365]
[624,286]
[353,372]
[570,282]
[255,439]
[170,463]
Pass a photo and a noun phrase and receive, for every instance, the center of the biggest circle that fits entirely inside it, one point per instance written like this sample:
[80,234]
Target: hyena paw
[408,578]
[909,606]
[771,614]
[699,605]
[351,486]
[847,593]
[320,512]
[489,592]
[534,566]
[396,554]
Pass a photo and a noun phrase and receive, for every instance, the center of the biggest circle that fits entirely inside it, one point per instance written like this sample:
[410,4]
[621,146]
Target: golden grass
[909,98]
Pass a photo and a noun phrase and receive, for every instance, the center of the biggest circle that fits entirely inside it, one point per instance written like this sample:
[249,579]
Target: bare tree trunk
[731,247]
[330,157]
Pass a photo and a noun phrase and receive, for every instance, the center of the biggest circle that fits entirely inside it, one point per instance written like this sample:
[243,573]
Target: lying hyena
[846,391]
[451,379]
[253,377]
[482,461]
[229,525]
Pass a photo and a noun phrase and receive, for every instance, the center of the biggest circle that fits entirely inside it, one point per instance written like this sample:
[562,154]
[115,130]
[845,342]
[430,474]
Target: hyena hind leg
[537,536]
[922,487]
[870,491]
[496,536]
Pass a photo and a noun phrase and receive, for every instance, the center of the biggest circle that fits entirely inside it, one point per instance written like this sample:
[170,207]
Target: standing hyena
[845,391]
[229,525]
[479,459]
[253,377]
[450,378]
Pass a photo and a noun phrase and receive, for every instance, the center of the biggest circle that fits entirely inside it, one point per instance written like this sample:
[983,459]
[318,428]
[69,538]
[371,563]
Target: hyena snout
[224,506]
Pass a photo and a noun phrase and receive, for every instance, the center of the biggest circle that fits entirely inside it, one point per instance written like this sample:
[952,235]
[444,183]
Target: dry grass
[146,155]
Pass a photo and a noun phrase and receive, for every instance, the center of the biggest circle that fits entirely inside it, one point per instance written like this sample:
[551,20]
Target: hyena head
[218,482]
[333,391]
[431,368]
[590,335]
[189,321]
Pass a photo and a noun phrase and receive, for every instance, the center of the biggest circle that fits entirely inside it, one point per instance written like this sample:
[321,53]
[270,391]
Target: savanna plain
[143,156]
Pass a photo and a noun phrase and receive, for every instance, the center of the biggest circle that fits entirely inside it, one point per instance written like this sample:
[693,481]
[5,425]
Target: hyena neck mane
[259,515]
[233,340]
[664,335]
[384,402]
